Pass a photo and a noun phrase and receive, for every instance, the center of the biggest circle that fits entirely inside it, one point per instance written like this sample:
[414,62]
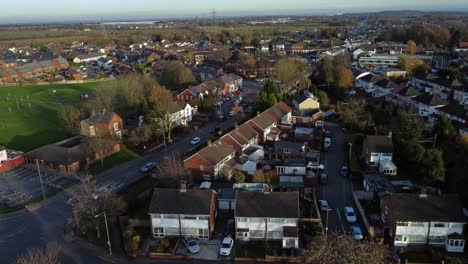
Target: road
[45,225]
[338,190]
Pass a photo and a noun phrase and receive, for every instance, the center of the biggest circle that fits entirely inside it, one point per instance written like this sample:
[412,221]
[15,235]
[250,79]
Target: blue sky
[16,11]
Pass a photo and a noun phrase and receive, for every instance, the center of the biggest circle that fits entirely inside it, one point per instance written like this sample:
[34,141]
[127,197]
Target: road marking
[341,221]
[106,259]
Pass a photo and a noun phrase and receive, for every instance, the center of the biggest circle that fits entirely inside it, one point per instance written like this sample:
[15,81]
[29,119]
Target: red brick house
[241,138]
[108,123]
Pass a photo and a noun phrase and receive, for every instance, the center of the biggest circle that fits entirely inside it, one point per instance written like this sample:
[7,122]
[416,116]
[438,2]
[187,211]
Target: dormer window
[116,127]
[92,131]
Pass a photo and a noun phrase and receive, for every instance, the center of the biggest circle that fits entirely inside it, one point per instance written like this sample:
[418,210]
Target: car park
[147,167]
[226,246]
[323,204]
[350,214]
[191,245]
[195,140]
[356,233]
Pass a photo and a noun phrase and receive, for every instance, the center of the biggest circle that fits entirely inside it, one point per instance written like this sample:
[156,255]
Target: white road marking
[107,259]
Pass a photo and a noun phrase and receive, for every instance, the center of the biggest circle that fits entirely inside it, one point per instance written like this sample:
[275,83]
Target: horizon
[242,8]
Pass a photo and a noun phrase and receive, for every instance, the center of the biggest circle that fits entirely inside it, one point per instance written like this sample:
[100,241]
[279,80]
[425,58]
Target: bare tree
[101,144]
[163,107]
[291,72]
[70,116]
[259,176]
[172,167]
[48,255]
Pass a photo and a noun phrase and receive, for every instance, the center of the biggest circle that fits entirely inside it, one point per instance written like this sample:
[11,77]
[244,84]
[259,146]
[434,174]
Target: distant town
[288,139]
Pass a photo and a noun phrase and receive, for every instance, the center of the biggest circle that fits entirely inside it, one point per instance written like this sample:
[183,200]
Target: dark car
[344,171]
[215,130]
[230,228]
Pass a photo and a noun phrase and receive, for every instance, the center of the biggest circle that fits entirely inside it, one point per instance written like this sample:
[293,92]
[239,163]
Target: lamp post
[326,225]
[349,155]
[107,230]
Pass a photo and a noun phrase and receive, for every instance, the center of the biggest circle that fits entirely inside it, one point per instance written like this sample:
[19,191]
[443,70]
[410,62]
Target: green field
[118,158]
[28,114]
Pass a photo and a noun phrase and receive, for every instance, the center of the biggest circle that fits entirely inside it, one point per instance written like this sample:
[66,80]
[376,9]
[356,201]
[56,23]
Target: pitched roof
[386,83]
[101,117]
[409,91]
[216,152]
[173,201]
[412,207]
[288,144]
[430,99]
[243,134]
[301,98]
[458,110]
[380,144]
[371,78]
[263,120]
[274,204]
[65,152]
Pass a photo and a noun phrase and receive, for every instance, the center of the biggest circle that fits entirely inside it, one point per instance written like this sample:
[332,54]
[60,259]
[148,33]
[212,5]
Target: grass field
[114,160]
[28,114]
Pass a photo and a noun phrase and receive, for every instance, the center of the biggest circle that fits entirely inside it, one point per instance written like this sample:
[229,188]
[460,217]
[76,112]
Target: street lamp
[107,230]
[350,147]
[326,225]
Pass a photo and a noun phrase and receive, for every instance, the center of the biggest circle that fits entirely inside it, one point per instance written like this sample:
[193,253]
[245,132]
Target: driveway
[339,190]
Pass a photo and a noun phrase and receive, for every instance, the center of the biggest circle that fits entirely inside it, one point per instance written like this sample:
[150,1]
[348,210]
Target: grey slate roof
[411,207]
[274,204]
[173,201]
[430,99]
[380,144]
[101,117]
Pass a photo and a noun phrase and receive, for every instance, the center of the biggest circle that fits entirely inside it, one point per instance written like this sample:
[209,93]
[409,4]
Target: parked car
[226,246]
[232,113]
[230,228]
[326,143]
[323,204]
[323,178]
[357,233]
[195,140]
[350,214]
[97,193]
[191,245]
[328,133]
[344,171]
[147,167]
[314,166]
[215,130]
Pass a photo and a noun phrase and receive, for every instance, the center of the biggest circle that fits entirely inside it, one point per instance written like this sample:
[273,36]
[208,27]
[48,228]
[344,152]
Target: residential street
[45,225]
[338,190]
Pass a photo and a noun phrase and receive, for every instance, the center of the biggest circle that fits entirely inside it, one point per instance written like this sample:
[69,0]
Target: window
[189,232]
[416,239]
[462,243]
[287,150]
[158,232]
[275,234]
[203,233]
[417,224]
[451,243]
[189,217]
[398,238]
[257,233]
[203,218]
[116,127]
[437,239]
[202,168]
[170,217]
[172,231]
[276,220]
[457,242]
[290,221]
[241,219]
[402,224]
[439,225]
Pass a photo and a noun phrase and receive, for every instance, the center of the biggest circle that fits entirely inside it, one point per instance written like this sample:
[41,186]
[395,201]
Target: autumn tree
[259,176]
[325,68]
[175,74]
[344,77]
[172,169]
[411,46]
[290,72]
[336,249]
[246,36]
[70,116]
[409,64]
[141,135]
[162,109]
[222,54]
[48,255]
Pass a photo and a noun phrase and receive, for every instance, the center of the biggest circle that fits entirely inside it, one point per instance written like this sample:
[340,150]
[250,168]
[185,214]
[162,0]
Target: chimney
[183,187]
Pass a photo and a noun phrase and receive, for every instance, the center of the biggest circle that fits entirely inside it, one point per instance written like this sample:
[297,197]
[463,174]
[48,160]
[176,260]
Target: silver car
[191,245]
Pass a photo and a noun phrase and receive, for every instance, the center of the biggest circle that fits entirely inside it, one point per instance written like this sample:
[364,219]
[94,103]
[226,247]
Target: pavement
[339,190]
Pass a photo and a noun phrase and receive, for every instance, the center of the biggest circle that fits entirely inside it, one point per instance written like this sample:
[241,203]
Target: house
[214,160]
[69,155]
[402,96]
[366,81]
[426,103]
[419,219]
[287,149]
[268,216]
[226,195]
[375,149]
[193,94]
[305,104]
[456,113]
[107,123]
[184,212]
[263,123]
[293,174]
[241,138]
[384,87]
[88,57]
[182,113]
[10,159]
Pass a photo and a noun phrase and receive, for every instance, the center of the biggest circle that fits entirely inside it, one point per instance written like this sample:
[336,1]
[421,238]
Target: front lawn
[28,114]
[118,158]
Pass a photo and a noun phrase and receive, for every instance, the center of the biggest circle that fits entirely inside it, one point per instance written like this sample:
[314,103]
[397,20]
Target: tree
[411,46]
[238,176]
[444,130]
[44,48]
[259,176]
[222,54]
[269,95]
[141,135]
[172,168]
[410,64]
[48,255]
[101,143]
[70,116]
[325,68]
[290,72]
[433,167]
[246,37]
[322,97]
[162,109]
[337,249]
[354,113]
[175,74]
[344,77]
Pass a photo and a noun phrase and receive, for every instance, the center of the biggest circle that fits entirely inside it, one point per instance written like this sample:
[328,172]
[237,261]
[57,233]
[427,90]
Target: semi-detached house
[184,212]
[268,216]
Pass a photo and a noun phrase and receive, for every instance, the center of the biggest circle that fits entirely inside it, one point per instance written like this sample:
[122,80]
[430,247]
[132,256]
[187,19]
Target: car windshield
[225,245]
[192,243]
[350,213]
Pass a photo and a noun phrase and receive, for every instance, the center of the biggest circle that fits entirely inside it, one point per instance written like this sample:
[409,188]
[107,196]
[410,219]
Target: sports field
[28,114]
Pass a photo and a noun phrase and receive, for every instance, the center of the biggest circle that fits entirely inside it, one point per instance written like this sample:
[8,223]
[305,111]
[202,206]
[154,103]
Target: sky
[24,11]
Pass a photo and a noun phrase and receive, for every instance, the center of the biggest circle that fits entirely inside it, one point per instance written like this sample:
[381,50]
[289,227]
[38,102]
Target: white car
[357,233]
[232,113]
[323,204]
[147,167]
[350,214]
[314,166]
[98,192]
[195,140]
[226,246]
